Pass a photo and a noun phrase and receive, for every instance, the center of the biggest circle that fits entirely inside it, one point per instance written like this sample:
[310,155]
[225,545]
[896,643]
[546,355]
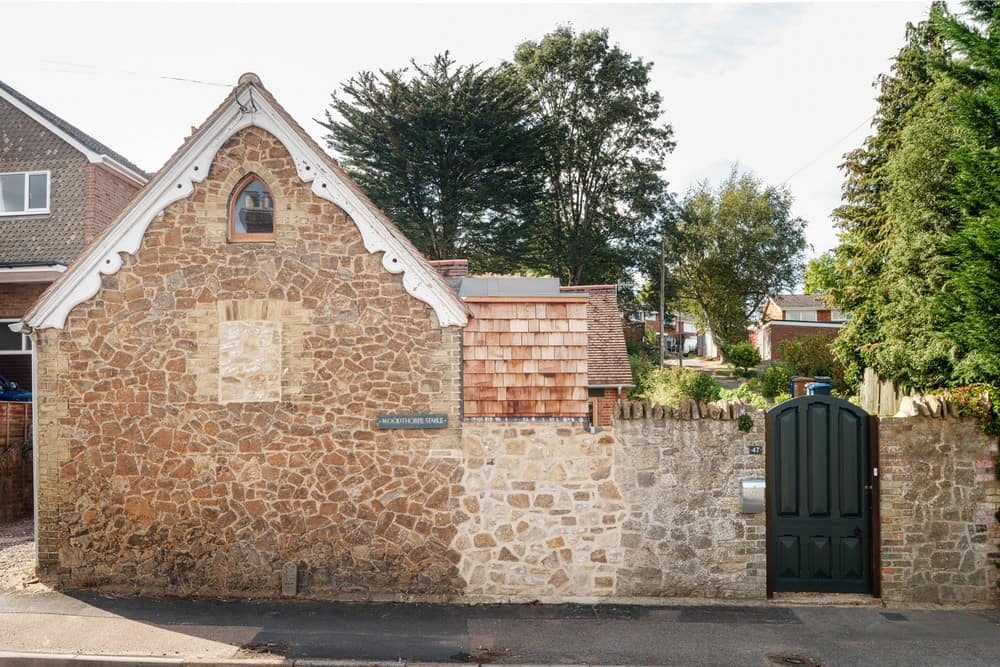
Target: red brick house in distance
[792,316]
[59,187]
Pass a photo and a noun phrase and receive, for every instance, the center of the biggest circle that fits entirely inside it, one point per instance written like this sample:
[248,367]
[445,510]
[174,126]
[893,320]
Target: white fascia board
[92,156]
[83,279]
[39,273]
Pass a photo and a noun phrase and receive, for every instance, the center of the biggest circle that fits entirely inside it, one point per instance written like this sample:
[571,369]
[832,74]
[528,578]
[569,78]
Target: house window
[25,192]
[801,315]
[11,342]
[251,212]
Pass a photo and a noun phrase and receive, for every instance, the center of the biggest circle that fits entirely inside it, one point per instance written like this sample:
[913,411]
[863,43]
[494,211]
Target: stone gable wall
[152,484]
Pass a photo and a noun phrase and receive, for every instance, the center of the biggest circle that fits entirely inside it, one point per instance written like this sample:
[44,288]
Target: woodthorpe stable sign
[430,420]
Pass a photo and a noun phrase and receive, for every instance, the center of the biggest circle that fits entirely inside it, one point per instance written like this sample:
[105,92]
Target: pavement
[46,629]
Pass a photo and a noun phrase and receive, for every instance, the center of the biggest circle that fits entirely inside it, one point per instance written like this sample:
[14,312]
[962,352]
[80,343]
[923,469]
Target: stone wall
[684,534]
[649,509]
[939,492]
[156,478]
[545,512]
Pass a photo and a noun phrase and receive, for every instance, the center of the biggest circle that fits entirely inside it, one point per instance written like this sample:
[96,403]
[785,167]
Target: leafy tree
[735,245]
[811,356]
[604,148]
[969,308]
[820,276]
[451,154]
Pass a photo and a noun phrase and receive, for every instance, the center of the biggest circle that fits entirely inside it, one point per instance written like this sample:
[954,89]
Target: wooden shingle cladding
[525,357]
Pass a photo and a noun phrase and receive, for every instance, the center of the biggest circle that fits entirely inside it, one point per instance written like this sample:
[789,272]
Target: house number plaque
[755,449]
[431,420]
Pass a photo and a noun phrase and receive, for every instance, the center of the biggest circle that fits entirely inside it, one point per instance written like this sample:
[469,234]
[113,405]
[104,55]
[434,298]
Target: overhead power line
[826,150]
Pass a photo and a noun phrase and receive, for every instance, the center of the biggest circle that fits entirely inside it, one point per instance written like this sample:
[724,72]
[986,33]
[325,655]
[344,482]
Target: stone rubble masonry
[684,534]
[939,492]
[150,484]
[545,514]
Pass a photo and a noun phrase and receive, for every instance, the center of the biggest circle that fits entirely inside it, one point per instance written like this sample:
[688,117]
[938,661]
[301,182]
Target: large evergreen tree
[970,305]
[604,147]
[896,219]
[450,153]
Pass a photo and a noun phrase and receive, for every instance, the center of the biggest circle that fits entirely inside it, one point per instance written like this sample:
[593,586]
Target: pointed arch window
[251,212]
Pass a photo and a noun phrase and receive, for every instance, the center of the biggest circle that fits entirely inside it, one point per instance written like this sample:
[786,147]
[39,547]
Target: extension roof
[799,301]
[249,104]
[607,356]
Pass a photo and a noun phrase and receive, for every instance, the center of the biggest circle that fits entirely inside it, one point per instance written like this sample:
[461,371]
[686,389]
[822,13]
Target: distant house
[59,188]
[793,316]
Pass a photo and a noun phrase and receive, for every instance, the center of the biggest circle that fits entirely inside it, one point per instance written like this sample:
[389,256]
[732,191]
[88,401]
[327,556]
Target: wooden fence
[16,468]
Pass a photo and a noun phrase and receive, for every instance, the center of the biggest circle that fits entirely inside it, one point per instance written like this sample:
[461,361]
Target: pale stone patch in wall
[545,512]
[249,361]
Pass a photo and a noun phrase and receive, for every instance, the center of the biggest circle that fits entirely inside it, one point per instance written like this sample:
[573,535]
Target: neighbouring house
[792,316]
[59,187]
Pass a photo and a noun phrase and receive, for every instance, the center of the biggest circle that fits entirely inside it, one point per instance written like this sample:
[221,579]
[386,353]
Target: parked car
[9,391]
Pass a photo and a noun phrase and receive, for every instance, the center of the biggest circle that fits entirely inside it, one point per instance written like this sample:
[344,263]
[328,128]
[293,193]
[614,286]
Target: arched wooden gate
[822,497]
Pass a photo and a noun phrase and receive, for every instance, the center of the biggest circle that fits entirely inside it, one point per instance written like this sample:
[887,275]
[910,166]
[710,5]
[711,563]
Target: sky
[782,90]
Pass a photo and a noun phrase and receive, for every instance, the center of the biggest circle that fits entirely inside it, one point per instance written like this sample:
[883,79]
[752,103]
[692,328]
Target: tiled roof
[77,134]
[607,357]
[786,301]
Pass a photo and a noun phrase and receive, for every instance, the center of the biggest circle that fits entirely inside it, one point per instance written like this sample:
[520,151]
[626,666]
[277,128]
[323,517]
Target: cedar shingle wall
[526,359]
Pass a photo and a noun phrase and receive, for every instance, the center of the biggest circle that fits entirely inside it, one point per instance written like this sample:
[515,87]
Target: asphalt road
[525,634]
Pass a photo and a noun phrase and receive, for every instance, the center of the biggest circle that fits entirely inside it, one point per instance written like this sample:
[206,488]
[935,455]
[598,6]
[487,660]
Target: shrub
[746,393]
[743,356]
[811,355]
[776,379]
[669,385]
[782,397]
[641,368]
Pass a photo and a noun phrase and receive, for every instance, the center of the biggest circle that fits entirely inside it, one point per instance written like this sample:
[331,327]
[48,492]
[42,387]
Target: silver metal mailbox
[752,496]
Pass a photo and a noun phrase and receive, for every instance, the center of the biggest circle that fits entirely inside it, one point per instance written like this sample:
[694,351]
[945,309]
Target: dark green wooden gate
[819,497]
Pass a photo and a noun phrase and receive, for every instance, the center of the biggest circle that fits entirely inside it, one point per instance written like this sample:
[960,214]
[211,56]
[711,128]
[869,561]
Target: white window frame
[27,180]
[25,340]
[798,315]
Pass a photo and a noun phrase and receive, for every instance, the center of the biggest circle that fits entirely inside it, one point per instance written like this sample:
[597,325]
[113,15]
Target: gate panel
[819,503]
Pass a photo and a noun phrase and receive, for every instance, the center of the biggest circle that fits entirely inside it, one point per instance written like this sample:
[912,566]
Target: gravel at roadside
[17,554]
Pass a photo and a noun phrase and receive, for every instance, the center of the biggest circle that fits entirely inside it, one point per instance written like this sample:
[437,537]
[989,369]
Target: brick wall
[155,480]
[939,491]
[107,195]
[17,298]
[779,333]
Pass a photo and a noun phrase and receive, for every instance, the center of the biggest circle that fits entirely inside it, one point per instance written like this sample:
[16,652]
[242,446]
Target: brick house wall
[602,408]
[776,334]
[151,482]
[107,195]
